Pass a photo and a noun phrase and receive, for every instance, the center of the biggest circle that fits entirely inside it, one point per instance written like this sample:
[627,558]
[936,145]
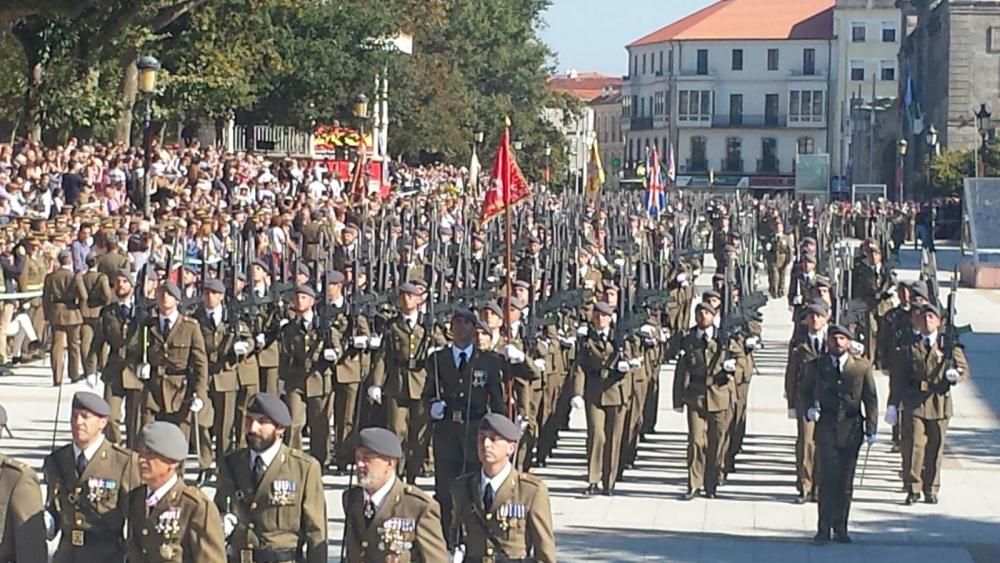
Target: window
[694,105]
[642,107]
[808,62]
[887,70]
[993,40]
[699,149]
[857,70]
[626,107]
[771,109]
[702,61]
[630,149]
[772,59]
[644,63]
[805,145]
[858,32]
[735,109]
[661,63]
[659,106]
[888,32]
[737,59]
[635,65]
[768,156]
[635,107]
[806,106]
[734,155]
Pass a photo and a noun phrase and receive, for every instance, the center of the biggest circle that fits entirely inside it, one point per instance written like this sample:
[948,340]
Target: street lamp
[548,162]
[518,145]
[931,136]
[984,124]
[148,68]
[901,148]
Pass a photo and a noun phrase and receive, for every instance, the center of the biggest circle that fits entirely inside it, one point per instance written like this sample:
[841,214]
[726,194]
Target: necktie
[461,361]
[369,509]
[166,326]
[258,470]
[126,311]
[816,345]
[81,463]
[488,496]
[150,503]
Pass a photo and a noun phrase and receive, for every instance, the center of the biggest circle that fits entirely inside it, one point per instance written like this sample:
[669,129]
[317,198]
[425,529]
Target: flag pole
[507,290]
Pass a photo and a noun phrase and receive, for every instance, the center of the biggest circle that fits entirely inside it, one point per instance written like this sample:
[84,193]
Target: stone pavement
[754,519]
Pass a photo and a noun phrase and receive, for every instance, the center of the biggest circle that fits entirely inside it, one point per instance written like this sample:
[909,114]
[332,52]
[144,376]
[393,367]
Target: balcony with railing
[744,120]
[768,166]
[641,123]
[731,165]
[697,165]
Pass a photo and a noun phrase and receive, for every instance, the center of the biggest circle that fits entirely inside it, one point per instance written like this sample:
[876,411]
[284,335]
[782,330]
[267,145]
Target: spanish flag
[595,172]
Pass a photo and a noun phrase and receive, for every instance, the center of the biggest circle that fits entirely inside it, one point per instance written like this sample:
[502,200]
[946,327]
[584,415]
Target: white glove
[92,381]
[696,273]
[375,393]
[437,410]
[622,366]
[375,341]
[197,404]
[576,402]
[649,341]
[260,340]
[513,354]
[458,556]
[891,290]
[951,375]
[767,247]
[229,522]
[678,409]
[857,348]
[870,439]
[329,354]
[143,372]
[729,365]
[241,348]
[26,306]
[619,262]
[568,340]
[751,342]
[681,277]
[891,416]
[582,330]
[792,414]
[539,364]
[635,362]
[797,300]
[647,330]
[813,414]
[664,334]
[685,284]
[283,322]
[360,342]
[50,525]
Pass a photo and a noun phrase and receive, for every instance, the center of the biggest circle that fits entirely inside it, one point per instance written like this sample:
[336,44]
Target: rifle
[952,332]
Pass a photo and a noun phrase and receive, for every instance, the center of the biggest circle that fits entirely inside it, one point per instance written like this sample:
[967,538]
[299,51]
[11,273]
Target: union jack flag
[656,197]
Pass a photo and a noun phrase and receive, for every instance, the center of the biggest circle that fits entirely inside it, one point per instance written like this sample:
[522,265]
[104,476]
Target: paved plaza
[754,519]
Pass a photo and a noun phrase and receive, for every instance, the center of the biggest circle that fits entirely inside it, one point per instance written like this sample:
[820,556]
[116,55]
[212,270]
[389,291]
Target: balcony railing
[697,165]
[732,165]
[744,120]
[768,166]
[641,123]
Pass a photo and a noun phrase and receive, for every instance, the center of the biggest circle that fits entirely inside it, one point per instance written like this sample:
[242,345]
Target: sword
[864,466]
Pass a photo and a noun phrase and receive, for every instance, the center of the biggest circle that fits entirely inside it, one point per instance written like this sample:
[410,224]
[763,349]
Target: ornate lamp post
[148,68]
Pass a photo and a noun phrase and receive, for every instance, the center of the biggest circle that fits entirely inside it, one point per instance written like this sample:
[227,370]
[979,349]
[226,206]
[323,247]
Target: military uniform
[925,396]
[278,516]
[468,393]
[400,370]
[517,526]
[111,262]
[352,368]
[22,529]
[709,392]
[870,283]
[32,278]
[554,409]
[308,356]
[92,347]
[121,382]
[406,527]
[838,394]
[183,527]
[804,351]
[606,392]
[62,297]
[90,507]
[778,253]
[178,368]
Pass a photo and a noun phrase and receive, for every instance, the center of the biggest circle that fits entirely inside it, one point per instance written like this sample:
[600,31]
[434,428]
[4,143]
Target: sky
[590,35]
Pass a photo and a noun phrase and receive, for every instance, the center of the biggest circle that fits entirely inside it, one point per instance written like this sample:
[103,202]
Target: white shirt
[706,332]
[378,497]
[411,319]
[216,315]
[931,339]
[91,449]
[821,336]
[267,455]
[841,360]
[307,318]
[494,482]
[456,353]
[171,317]
[157,495]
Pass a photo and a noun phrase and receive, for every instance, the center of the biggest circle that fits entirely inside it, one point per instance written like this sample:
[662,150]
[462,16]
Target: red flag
[359,181]
[509,186]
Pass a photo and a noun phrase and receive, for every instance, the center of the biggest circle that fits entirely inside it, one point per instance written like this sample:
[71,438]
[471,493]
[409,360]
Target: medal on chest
[168,524]
[99,489]
[282,492]
[396,535]
[478,378]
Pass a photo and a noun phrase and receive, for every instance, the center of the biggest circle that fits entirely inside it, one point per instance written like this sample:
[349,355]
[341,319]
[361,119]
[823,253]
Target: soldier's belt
[80,538]
[268,555]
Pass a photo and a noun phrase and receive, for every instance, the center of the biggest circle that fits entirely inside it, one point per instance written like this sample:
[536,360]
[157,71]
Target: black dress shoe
[811,497]
[591,490]
[912,498]
[930,498]
[822,537]
[690,494]
[841,537]
[711,494]
[608,491]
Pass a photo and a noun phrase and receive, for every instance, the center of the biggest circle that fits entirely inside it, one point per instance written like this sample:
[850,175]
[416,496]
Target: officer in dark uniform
[806,347]
[840,391]
[89,483]
[23,536]
[463,384]
[122,333]
[271,495]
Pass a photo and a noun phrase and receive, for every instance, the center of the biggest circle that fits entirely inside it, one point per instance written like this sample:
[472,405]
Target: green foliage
[950,169]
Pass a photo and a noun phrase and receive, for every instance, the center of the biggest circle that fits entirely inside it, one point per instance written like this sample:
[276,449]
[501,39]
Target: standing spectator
[72,183]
